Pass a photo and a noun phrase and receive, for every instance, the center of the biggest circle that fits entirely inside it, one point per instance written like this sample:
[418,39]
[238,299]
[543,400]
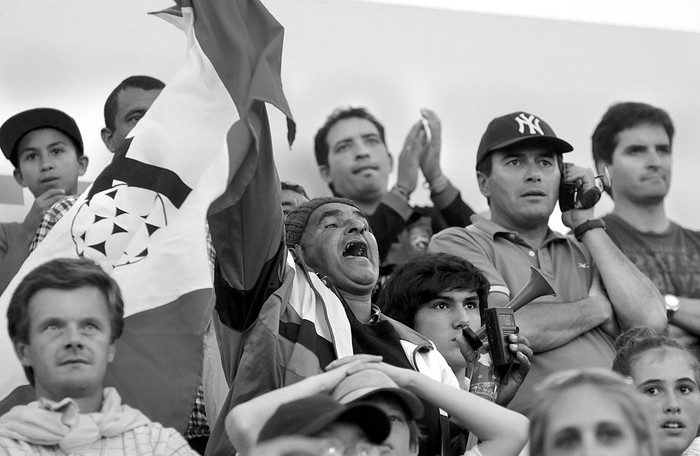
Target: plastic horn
[536,287]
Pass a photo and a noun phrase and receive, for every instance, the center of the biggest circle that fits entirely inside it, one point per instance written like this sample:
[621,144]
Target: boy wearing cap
[599,291]
[336,429]
[396,391]
[46,149]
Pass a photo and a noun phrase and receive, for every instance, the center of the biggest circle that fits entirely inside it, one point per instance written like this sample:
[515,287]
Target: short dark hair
[421,279]
[622,116]
[636,341]
[137,82]
[286,185]
[62,274]
[321,140]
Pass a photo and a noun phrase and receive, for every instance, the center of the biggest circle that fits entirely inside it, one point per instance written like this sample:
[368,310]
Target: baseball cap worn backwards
[296,221]
[360,385]
[310,415]
[14,129]
[518,128]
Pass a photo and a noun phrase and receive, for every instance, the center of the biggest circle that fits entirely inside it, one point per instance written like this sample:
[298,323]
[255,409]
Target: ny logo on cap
[531,121]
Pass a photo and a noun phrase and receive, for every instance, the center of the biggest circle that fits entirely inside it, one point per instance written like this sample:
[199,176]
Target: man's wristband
[587,226]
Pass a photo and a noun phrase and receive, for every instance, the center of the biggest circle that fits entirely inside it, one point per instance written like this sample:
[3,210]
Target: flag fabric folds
[143,219]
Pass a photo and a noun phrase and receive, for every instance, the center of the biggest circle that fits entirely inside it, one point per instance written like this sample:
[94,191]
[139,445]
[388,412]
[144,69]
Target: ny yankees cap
[14,129]
[518,128]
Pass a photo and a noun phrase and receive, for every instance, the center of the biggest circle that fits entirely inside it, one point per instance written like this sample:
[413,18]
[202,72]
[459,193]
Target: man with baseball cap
[46,149]
[599,291]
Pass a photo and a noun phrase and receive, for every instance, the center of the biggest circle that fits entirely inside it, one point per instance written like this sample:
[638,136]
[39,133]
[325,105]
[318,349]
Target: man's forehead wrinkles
[337,212]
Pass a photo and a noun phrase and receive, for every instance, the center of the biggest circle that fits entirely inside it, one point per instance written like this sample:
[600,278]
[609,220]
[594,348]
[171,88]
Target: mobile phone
[500,324]
[570,196]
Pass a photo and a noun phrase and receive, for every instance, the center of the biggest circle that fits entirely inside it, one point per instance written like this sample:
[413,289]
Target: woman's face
[666,380]
[586,421]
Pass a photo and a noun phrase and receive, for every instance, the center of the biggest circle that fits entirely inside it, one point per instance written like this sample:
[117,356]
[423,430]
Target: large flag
[144,217]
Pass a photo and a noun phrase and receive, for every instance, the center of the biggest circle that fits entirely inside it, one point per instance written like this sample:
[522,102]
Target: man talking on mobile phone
[599,292]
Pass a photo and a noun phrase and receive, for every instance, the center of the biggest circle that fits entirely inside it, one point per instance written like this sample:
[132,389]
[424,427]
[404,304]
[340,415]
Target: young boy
[46,149]
[438,295]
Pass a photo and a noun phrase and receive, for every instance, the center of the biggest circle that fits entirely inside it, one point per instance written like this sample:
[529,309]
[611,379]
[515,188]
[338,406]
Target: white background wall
[564,64]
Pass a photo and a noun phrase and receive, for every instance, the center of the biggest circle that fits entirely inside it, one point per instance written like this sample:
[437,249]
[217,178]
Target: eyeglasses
[336,448]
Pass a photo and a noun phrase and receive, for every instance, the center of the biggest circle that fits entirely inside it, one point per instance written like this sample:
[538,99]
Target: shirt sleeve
[463,243]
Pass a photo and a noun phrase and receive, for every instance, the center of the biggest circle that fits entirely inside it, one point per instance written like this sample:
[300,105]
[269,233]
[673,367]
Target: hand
[414,146]
[41,204]
[520,347]
[467,351]
[401,376]
[337,370]
[430,160]
[584,180]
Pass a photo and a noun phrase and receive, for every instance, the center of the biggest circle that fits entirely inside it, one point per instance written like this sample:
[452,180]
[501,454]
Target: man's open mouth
[355,249]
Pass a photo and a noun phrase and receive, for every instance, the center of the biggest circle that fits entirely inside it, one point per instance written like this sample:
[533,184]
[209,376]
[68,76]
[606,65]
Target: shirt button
[511,236]
[531,253]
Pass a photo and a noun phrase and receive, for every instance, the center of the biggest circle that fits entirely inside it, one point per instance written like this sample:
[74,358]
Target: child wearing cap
[335,429]
[396,391]
[46,149]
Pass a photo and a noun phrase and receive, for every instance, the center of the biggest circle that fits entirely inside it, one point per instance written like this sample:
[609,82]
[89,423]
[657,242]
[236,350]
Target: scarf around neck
[47,423]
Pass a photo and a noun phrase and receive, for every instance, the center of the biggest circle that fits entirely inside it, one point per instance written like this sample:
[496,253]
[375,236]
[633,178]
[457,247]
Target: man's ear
[21,351]
[391,161]
[325,172]
[112,351]
[483,181]
[83,161]
[600,166]
[107,136]
[17,174]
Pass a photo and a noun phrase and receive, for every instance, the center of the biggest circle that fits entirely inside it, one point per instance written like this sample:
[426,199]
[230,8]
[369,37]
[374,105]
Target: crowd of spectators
[355,323]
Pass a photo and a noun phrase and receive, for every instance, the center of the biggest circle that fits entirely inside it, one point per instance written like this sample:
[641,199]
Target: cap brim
[559,145]
[368,417]
[414,405]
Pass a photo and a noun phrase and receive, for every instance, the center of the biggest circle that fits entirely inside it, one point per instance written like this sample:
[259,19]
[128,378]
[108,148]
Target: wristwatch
[587,226]
[672,305]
